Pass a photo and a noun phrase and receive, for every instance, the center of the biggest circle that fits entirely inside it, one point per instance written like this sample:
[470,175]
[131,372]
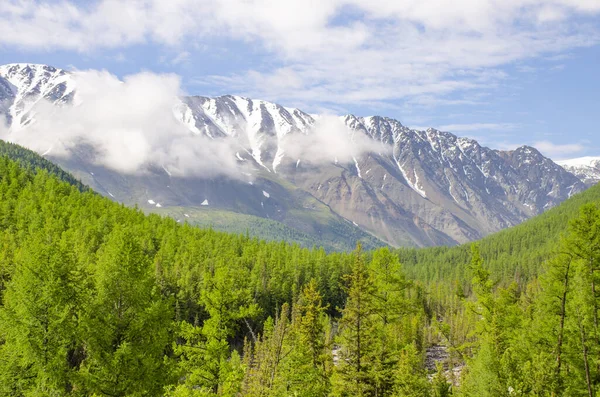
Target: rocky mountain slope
[403,186]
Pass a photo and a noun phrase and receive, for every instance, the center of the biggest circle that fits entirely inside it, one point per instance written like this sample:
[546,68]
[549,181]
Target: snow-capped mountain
[585,168]
[259,126]
[23,86]
[423,188]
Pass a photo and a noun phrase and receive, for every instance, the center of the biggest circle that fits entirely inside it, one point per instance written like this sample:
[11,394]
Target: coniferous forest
[97,299]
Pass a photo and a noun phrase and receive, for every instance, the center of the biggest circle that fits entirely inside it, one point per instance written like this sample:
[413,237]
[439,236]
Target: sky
[505,72]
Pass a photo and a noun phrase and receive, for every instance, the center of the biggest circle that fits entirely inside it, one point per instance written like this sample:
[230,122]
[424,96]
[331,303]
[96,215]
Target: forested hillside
[517,253]
[99,299]
[32,161]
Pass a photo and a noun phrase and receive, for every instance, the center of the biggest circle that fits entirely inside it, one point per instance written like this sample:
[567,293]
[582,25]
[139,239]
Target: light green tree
[127,326]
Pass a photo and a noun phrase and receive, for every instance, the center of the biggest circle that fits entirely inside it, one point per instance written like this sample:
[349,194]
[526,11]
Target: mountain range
[397,186]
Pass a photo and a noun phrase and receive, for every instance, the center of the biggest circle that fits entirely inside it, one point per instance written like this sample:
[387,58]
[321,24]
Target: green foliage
[357,338]
[98,299]
[123,325]
[379,339]
[38,321]
[514,254]
[335,237]
[410,380]
[32,161]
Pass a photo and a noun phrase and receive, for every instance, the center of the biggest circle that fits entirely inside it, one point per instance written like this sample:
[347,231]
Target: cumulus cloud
[332,51]
[559,151]
[478,127]
[329,141]
[3,126]
[129,124]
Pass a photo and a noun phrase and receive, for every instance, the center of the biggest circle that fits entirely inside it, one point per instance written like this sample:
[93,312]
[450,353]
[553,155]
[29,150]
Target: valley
[388,184]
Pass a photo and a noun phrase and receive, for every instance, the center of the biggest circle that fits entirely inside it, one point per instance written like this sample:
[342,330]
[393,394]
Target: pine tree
[265,359]
[439,384]
[307,367]
[492,370]
[410,377]
[391,309]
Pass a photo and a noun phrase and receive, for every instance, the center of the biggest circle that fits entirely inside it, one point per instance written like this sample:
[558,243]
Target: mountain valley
[390,185]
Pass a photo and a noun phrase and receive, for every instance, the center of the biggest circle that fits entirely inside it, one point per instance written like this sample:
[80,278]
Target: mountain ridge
[422,188]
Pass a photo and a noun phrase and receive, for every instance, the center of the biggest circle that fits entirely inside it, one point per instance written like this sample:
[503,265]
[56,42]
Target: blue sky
[506,73]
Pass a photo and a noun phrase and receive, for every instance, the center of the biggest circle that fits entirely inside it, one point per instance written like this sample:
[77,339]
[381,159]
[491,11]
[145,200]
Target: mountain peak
[29,83]
[11,68]
[527,150]
[431,187]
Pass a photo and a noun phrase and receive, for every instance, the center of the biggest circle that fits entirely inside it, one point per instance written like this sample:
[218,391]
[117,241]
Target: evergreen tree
[492,371]
[391,308]
[353,375]
[307,367]
[264,361]
[38,322]
[206,351]
[127,325]
[410,376]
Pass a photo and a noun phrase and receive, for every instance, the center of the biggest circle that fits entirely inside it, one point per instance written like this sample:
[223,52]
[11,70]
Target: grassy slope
[266,229]
[290,214]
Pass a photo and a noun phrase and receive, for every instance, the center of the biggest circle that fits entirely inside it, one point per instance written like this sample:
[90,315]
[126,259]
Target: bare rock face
[417,188]
[7,97]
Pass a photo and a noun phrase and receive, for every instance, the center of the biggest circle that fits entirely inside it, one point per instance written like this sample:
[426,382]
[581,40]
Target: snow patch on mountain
[357,167]
[31,85]
[470,190]
[414,185]
[588,161]
[585,168]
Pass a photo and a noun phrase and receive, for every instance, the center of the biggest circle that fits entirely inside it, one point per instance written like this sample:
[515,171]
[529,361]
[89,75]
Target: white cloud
[478,127]
[3,125]
[559,151]
[410,49]
[182,57]
[130,124]
[329,141]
